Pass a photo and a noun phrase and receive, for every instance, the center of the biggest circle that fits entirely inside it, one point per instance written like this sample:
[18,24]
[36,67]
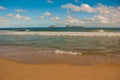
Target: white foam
[109,34]
[61,52]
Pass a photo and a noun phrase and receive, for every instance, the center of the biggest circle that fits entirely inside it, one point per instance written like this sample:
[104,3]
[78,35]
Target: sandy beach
[59,40]
[12,70]
[20,62]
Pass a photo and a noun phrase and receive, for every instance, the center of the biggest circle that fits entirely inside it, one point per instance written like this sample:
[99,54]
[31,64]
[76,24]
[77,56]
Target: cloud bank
[102,14]
[19,17]
[20,10]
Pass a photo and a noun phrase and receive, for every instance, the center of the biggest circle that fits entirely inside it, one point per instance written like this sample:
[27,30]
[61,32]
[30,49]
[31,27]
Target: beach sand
[12,70]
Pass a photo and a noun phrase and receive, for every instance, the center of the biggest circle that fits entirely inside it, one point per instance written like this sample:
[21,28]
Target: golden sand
[11,70]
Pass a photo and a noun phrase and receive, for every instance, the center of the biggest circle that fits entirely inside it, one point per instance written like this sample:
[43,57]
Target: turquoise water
[67,43]
[75,29]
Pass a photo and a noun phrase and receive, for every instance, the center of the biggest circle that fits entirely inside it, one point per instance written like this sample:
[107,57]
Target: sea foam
[61,52]
[109,34]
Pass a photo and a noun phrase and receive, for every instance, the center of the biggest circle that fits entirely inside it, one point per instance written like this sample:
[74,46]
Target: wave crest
[61,52]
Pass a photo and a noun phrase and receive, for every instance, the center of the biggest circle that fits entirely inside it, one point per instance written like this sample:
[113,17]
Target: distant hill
[67,28]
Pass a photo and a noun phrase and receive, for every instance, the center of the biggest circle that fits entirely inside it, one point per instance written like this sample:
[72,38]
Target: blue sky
[42,13]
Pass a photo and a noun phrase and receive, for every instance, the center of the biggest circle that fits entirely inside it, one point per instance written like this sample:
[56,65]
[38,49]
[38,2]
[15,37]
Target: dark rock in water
[53,26]
[68,26]
[78,26]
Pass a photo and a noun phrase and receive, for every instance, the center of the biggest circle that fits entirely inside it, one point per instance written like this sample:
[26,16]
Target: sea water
[68,43]
[63,46]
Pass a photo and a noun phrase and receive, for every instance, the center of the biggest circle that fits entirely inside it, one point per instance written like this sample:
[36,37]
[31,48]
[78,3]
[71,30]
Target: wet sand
[37,56]
[12,70]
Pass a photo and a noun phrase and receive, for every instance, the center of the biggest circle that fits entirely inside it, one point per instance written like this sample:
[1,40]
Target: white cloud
[42,17]
[100,19]
[20,10]
[11,15]
[50,1]
[70,20]
[82,7]
[96,19]
[2,8]
[47,14]
[71,6]
[86,8]
[81,22]
[77,1]
[17,16]
[112,14]
[3,19]
[55,18]
[88,20]
[103,15]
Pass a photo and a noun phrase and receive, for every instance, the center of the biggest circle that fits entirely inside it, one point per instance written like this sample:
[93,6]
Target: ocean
[75,29]
[68,43]
[52,49]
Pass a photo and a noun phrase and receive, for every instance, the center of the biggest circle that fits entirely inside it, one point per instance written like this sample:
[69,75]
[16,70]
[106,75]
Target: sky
[43,13]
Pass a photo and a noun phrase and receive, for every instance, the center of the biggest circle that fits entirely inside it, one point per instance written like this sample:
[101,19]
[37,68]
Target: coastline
[32,55]
[12,70]
[105,67]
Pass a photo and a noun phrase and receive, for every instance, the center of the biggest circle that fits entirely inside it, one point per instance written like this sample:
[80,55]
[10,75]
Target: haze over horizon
[34,13]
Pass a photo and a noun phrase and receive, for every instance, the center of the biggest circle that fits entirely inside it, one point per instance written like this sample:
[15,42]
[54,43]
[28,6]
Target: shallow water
[69,43]
[53,49]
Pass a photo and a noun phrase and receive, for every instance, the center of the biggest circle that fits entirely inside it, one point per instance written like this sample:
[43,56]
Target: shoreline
[48,33]
[36,56]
